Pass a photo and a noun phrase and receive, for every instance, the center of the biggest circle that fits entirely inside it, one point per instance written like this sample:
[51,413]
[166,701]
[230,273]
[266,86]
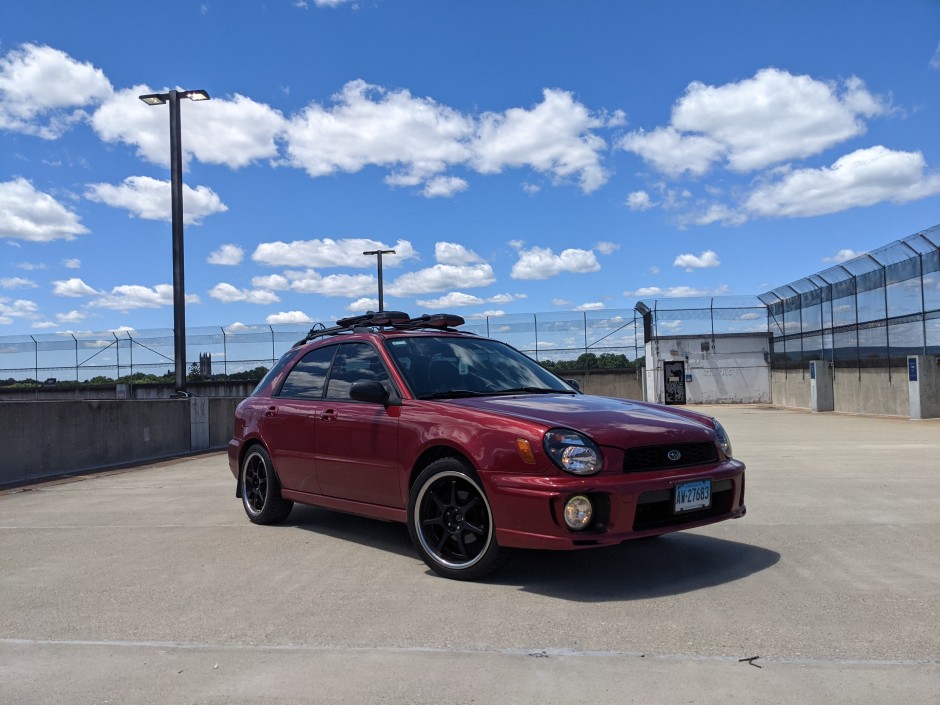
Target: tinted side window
[273,372]
[354,362]
[308,378]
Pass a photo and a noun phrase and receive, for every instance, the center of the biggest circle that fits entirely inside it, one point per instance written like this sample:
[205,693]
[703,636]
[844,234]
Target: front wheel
[260,489]
[450,521]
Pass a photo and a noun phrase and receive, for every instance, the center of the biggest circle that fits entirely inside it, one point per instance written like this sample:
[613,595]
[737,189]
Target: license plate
[693,495]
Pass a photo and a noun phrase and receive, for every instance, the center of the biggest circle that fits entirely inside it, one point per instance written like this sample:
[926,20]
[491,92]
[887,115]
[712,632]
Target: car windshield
[451,366]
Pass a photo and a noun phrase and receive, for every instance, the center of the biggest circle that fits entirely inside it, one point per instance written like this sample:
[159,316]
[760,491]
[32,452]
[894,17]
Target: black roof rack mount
[398,320]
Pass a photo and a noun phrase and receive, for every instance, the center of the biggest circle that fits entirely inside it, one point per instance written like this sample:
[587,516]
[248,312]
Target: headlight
[724,442]
[573,452]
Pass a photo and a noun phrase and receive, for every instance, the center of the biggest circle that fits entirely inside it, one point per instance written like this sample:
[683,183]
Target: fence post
[584,315]
[76,358]
[224,351]
[35,356]
[117,347]
[535,324]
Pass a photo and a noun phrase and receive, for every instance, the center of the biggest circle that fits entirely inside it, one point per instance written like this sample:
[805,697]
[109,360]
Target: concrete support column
[821,397]
[199,423]
[923,375]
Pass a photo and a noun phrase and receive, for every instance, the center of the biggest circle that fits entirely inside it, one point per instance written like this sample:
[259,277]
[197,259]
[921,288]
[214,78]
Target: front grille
[654,509]
[657,457]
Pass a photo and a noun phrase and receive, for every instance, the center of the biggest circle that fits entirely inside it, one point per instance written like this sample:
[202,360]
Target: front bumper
[528,510]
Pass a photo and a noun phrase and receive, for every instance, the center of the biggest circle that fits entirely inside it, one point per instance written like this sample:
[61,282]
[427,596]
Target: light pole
[379,253]
[176,198]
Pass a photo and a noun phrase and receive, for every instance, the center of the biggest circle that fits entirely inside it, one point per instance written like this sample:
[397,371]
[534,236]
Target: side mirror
[574,383]
[369,391]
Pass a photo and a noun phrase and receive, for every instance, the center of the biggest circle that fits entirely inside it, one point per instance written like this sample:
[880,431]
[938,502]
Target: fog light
[578,512]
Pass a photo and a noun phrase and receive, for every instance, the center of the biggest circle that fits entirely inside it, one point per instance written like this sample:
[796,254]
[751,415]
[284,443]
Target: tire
[450,522]
[261,490]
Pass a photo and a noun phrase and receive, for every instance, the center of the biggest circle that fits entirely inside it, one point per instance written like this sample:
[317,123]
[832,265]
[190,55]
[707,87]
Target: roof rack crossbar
[398,320]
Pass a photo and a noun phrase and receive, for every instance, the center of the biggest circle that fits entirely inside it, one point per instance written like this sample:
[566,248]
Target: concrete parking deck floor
[150,586]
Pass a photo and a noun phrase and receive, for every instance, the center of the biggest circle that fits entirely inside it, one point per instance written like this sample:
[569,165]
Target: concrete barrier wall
[221,420]
[52,438]
[134,391]
[790,388]
[45,439]
[873,392]
[608,383]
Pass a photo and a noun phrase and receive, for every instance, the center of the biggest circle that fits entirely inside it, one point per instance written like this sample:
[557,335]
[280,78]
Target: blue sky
[523,156]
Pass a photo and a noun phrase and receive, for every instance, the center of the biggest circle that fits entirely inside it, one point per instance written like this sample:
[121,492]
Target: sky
[518,156]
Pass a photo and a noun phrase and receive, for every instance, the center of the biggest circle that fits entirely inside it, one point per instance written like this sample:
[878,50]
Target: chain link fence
[870,311]
[239,350]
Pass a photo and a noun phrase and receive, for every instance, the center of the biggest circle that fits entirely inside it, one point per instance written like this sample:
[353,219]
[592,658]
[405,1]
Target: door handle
[328,415]
[271,411]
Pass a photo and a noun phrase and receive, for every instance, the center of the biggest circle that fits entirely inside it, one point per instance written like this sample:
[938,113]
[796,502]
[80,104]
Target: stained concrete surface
[150,586]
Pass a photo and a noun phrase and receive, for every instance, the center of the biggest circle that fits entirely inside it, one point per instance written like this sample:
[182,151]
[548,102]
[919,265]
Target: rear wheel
[260,489]
[450,521]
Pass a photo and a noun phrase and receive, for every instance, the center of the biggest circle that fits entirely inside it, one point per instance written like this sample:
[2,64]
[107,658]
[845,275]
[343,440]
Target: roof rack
[398,320]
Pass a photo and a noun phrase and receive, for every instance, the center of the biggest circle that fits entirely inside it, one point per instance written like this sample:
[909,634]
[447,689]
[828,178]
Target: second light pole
[379,253]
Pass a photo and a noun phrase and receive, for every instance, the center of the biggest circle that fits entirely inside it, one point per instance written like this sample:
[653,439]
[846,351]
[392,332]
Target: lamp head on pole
[161,98]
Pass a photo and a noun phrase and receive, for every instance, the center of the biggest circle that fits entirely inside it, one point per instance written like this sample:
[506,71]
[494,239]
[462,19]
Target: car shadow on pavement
[634,570]
[668,565]
[383,535]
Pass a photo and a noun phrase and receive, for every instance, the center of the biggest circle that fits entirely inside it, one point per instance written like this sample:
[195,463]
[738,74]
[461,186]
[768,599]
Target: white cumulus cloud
[226,293]
[863,178]
[771,118]
[29,214]
[441,277]
[554,138]
[74,288]
[288,317]
[149,199]
[843,255]
[43,90]
[234,131]
[454,253]
[227,255]
[327,252]
[706,259]
[127,297]
[542,263]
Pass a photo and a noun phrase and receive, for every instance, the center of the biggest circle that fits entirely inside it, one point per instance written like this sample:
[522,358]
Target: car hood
[610,422]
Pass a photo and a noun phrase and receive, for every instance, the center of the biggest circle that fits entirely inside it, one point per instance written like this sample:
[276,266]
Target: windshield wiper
[454,394]
[532,390]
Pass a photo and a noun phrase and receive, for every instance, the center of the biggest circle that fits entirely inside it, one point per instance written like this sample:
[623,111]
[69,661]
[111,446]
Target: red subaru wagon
[472,444]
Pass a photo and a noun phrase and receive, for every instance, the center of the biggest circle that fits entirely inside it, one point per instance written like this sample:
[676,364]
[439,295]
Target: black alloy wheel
[450,522]
[260,489]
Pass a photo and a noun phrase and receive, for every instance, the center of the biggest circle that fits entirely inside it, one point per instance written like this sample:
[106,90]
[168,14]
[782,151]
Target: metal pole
[535,330]
[76,356]
[379,254]
[584,316]
[36,355]
[224,353]
[117,350]
[176,191]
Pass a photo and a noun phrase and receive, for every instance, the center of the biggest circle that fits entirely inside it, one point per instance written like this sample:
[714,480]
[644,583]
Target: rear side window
[308,378]
[355,362]
[273,372]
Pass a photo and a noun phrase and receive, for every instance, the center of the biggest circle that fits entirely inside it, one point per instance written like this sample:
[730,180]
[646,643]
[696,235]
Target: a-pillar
[923,375]
[820,386]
